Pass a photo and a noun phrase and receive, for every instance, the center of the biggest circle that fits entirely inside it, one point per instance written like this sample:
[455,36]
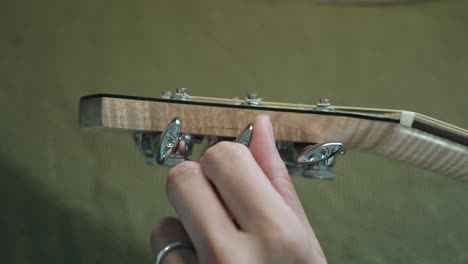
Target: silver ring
[175,245]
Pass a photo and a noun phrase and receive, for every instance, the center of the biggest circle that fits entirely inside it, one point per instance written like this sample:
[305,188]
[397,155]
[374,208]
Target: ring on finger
[172,246]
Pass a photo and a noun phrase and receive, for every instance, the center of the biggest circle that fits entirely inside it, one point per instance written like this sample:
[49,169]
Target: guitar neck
[400,135]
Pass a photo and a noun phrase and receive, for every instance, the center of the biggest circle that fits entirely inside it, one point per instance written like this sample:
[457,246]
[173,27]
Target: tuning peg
[320,152]
[168,148]
[168,141]
[319,158]
[244,137]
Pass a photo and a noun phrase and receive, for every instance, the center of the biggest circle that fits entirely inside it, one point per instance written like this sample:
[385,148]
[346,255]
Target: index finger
[262,146]
[243,187]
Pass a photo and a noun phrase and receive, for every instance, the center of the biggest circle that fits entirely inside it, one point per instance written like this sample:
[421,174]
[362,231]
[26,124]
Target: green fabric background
[82,196]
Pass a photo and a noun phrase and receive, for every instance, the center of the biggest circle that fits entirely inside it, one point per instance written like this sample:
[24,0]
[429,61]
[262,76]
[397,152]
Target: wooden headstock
[400,135]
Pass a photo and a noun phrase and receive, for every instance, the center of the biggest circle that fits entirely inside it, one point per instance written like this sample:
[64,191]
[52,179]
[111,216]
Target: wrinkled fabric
[71,195]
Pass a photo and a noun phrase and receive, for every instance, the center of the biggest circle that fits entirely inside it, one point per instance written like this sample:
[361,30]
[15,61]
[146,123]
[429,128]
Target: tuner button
[244,137]
[315,154]
[168,141]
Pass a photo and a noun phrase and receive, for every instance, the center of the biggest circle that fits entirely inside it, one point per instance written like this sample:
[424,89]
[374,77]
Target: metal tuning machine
[319,158]
[310,161]
[244,137]
[168,148]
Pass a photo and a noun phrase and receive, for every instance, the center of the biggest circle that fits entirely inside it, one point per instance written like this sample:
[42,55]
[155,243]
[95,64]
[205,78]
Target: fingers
[198,207]
[263,149]
[244,188]
[170,230]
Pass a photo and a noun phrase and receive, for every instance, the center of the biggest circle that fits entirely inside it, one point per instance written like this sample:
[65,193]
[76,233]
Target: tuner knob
[317,153]
[319,158]
[168,141]
[244,137]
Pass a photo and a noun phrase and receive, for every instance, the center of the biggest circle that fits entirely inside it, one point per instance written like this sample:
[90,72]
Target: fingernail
[270,128]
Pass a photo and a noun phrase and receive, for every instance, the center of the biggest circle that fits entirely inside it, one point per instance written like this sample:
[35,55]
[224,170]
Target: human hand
[238,205]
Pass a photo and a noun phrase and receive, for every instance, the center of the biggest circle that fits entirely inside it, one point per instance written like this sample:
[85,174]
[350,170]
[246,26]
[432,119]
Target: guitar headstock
[171,147]
[308,137]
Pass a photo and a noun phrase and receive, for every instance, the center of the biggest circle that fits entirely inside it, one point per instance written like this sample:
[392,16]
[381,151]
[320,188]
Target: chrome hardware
[181,95]
[319,158]
[317,153]
[167,148]
[244,137]
[310,161]
[321,172]
[147,141]
[182,90]
[252,99]
[170,148]
[252,96]
[324,105]
[168,141]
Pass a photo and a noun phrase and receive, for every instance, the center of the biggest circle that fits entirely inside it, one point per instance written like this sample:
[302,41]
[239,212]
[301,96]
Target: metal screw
[324,105]
[181,90]
[252,96]
[324,101]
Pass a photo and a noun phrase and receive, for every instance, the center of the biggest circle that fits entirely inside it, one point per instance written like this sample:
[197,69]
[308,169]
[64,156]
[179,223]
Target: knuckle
[223,150]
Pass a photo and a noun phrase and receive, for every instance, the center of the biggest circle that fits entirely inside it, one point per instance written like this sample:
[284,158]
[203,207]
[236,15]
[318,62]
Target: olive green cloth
[83,196]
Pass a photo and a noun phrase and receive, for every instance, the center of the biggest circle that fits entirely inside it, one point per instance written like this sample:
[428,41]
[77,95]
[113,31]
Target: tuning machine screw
[181,94]
[324,105]
[252,99]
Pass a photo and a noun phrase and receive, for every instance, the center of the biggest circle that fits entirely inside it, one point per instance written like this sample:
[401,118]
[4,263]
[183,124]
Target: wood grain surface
[385,138]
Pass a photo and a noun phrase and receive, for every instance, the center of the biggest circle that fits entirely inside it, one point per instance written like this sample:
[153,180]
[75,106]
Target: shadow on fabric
[36,227]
